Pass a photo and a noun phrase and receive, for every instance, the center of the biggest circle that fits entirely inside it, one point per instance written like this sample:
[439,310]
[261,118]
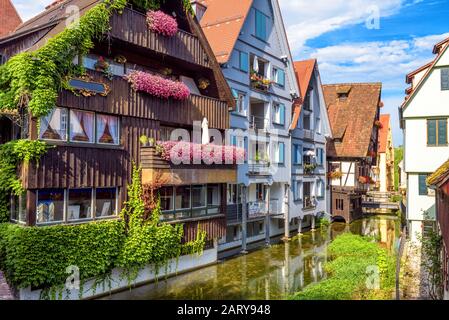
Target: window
[107,129]
[343,96]
[213,198]
[81,126]
[279,152]
[106,202]
[444,78]
[182,200]
[60,205]
[422,185]
[318,125]
[320,188]
[18,208]
[339,204]
[54,125]
[306,122]
[79,204]
[234,195]
[88,86]
[279,113]
[240,99]
[261,191]
[166,196]
[243,61]
[199,200]
[279,77]
[261,25]
[437,132]
[297,154]
[297,190]
[320,156]
[50,205]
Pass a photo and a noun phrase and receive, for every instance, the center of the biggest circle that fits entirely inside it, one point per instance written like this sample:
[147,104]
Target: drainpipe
[244,219]
[267,217]
[287,213]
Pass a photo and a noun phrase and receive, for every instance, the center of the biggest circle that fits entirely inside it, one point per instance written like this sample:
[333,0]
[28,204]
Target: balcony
[309,135]
[260,168]
[131,26]
[258,123]
[257,209]
[155,169]
[308,203]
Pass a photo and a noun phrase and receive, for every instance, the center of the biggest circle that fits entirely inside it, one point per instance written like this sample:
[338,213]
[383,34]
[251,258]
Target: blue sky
[343,36]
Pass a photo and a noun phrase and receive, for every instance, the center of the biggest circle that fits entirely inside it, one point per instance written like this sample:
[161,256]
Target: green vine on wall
[33,79]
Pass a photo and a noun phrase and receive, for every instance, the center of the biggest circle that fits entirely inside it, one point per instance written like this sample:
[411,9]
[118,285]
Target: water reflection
[268,273]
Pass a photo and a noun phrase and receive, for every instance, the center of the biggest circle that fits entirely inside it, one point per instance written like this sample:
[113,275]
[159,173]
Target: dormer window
[343,96]
[199,9]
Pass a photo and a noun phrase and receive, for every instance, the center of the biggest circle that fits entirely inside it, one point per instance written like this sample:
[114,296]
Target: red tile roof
[352,119]
[9,18]
[222,23]
[303,72]
[383,133]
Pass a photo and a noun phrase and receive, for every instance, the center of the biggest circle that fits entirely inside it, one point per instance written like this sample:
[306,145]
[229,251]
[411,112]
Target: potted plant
[203,83]
[144,140]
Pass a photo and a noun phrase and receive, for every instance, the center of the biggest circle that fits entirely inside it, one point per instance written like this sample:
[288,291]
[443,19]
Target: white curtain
[81,126]
[113,126]
[88,119]
[256,65]
[205,137]
[101,125]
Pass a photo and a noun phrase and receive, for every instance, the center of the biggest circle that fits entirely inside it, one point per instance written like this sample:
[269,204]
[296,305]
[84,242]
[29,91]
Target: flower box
[158,86]
[162,23]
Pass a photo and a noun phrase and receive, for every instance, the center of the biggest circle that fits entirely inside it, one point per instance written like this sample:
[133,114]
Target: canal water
[268,273]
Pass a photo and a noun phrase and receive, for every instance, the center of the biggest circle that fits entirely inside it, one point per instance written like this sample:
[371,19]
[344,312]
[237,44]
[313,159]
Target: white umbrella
[256,65]
[205,129]
[310,153]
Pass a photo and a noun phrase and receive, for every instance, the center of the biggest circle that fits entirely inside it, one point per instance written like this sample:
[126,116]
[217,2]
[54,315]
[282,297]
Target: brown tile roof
[9,18]
[222,23]
[303,72]
[352,119]
[383,133]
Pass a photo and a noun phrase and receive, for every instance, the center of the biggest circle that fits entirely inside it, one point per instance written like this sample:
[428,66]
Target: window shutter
[422,185]
[281,77]
[244,63]
[431,132]
[300,154]
[281,152]
[282,114]
[445,79]
[442,132]
[261,27]
[235,94]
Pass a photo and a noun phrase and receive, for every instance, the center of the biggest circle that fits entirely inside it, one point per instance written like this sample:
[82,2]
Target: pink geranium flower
[158,86]
[162,23]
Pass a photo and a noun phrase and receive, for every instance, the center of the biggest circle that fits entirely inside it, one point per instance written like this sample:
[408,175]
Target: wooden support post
[244,218]
[267,217]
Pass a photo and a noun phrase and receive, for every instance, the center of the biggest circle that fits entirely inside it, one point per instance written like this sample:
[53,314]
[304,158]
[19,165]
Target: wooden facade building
[354,110]
[96,136]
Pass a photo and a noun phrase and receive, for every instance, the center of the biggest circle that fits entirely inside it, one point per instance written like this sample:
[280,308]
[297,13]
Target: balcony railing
[257,209]
[131,26]
[309,134]
[259,168]
[308,203]
[258,123]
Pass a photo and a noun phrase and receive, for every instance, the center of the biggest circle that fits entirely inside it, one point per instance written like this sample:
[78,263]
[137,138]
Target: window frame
[68,140]
[444,70]
[437,134]
[275,74]
[278,109]
[420,190]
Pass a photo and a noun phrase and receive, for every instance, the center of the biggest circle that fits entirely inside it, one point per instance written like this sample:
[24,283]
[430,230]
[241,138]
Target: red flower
[158,86]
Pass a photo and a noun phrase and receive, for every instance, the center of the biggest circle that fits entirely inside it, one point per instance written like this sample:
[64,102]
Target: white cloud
[28,9]
[309,19]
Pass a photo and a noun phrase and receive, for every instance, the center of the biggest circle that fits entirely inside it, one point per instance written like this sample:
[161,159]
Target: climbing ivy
[33,79]
[11,155]
[39,256]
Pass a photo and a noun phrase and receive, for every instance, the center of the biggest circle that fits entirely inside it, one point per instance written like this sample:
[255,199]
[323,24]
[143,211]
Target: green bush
[39,256]
[347,271]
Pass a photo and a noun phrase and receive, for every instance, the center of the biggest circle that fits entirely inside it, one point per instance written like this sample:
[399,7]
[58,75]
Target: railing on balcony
[308,203]
[309,134]
[258,123]
[257,209]
[131,26]
[259,168]
[275,207]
